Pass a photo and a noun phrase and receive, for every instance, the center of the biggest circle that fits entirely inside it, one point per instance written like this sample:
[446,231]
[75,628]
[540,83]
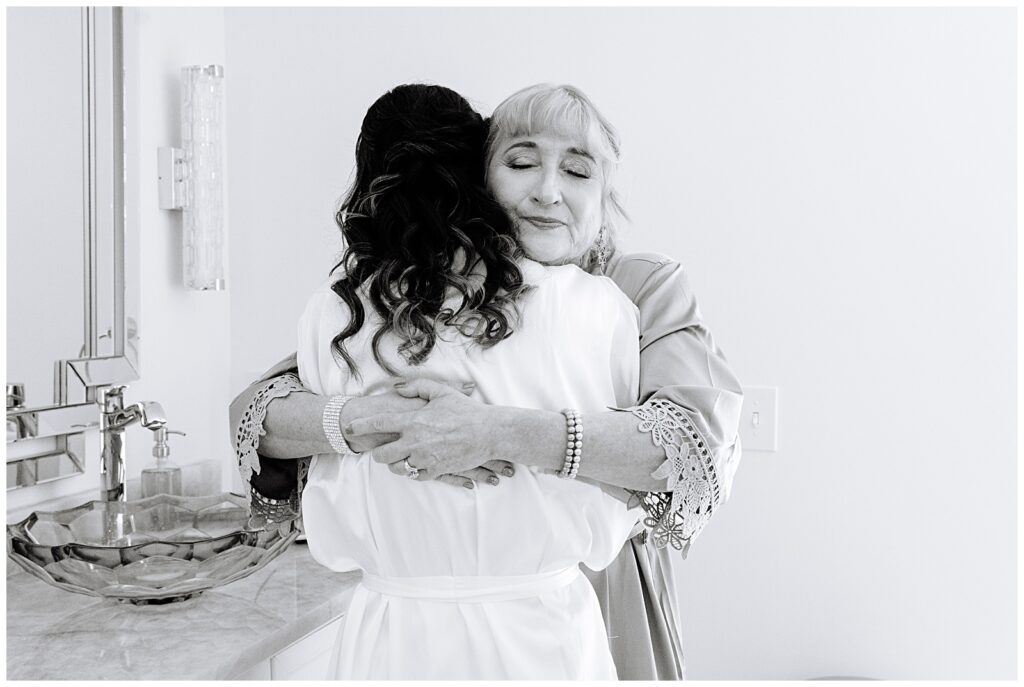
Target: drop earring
[601,249]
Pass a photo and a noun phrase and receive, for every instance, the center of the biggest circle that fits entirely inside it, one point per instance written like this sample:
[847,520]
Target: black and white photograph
[503,342]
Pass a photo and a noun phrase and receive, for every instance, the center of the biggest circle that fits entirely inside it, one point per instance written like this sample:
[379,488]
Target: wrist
[331,423]
[356,408]
[534,437]
[348,413]
[573,444]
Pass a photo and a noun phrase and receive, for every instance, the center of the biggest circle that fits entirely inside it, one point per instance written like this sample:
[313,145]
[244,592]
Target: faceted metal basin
[155,550]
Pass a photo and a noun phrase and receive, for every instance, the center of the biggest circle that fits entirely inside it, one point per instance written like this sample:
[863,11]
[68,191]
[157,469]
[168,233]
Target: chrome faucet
[116,417]
[21,426]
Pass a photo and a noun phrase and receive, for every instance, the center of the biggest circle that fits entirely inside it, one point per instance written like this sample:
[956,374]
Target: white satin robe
[481,583]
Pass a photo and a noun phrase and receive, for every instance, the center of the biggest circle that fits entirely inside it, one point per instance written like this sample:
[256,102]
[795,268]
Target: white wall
[185,346]
[839,184]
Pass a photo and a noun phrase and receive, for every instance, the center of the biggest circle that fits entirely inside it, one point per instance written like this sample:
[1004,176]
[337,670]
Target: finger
[388,454]
[456,481]
[500,467]
[399,468]
[383,423]
[462,386]
[427,389]
[466,388]
[369,441]
[481,475]
[400,459]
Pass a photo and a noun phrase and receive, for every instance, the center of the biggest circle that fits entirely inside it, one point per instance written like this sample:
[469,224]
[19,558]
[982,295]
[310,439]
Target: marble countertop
[57,635]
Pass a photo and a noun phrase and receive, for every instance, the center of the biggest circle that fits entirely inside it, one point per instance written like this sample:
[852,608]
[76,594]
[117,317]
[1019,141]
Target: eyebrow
[533,146]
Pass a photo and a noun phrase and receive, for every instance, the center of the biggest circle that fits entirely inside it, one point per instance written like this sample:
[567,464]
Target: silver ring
[410,471]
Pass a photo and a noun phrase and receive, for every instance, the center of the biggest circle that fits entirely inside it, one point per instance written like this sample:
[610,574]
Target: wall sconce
[192,177]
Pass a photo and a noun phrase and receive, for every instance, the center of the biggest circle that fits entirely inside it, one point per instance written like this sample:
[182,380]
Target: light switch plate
[759,420]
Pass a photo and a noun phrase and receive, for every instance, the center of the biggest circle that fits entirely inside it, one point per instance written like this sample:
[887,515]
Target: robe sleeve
[274,485]
[690,400]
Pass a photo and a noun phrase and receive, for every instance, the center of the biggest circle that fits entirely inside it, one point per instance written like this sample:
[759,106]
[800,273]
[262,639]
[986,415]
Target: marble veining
[57,635]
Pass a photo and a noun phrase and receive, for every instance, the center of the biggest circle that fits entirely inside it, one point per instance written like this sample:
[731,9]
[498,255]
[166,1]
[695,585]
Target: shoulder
[577,286]
[641,274]
[640,266]
[641,261]
[324,293]
[322,301]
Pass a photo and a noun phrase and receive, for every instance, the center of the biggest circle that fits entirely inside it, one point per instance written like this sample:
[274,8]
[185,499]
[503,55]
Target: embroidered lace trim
[250,428]
[247,439]
[675,517]
[264,511]
[303,473]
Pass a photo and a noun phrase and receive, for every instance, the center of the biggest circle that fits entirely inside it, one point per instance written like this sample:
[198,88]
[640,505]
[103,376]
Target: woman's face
[551,188]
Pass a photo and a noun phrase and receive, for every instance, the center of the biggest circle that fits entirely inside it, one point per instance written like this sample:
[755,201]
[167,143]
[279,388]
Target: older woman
[675,451]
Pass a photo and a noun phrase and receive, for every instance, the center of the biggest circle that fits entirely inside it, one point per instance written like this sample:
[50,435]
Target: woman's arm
[294,428]
[453,432]
[290,425]
[691,400]
[276,427]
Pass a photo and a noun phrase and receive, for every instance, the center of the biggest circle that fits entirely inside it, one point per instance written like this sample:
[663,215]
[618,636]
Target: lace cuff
[676,517]
[265,512]
[250,428]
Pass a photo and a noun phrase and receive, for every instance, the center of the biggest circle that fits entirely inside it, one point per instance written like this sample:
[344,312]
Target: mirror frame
[65,423]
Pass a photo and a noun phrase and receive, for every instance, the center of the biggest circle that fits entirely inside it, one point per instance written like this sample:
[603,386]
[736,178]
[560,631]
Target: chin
[545,258]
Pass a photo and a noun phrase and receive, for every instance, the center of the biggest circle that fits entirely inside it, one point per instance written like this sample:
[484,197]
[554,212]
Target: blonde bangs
[557,110]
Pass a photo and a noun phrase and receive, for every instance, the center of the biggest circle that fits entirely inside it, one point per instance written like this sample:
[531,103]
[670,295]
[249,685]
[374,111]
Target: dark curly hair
[419,225]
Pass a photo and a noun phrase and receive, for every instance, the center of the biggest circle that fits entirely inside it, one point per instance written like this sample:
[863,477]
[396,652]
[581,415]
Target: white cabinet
[307,658]
[260,671]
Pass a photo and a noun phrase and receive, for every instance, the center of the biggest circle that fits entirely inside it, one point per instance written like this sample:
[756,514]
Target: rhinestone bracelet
[573,443]
[274,511]
[332,425]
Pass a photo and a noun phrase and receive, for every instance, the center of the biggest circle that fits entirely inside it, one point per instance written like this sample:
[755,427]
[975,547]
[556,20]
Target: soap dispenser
[164,477]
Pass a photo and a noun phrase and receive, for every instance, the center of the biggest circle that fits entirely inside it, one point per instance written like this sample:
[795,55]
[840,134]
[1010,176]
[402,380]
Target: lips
[543,222]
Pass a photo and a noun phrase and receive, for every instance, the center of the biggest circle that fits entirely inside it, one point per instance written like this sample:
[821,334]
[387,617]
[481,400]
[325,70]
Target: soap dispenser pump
[164,477]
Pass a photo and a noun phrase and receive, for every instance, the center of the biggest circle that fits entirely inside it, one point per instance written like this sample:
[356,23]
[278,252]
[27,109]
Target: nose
[546,191]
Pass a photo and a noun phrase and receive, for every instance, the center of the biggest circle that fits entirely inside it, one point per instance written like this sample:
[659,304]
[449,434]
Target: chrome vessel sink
[154,550]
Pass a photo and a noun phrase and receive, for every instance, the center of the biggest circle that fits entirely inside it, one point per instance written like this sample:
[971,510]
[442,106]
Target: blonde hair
[566,110]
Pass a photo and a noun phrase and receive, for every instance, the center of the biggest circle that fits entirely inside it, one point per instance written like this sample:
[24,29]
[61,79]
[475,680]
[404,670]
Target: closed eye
[519,162]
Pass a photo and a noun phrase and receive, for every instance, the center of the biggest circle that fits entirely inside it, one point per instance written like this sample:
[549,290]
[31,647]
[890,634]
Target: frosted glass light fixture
[192,177]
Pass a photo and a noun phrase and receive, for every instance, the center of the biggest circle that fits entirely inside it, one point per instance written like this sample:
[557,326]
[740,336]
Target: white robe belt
[471,589]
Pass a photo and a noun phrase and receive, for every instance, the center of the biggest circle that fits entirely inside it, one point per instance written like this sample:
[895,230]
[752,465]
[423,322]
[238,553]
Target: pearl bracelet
[332,425]
[573,443]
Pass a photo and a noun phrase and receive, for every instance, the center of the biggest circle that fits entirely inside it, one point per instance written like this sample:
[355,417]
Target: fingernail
[493,480]
[508,472]
[468,484]
[469,385]
[399,385]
